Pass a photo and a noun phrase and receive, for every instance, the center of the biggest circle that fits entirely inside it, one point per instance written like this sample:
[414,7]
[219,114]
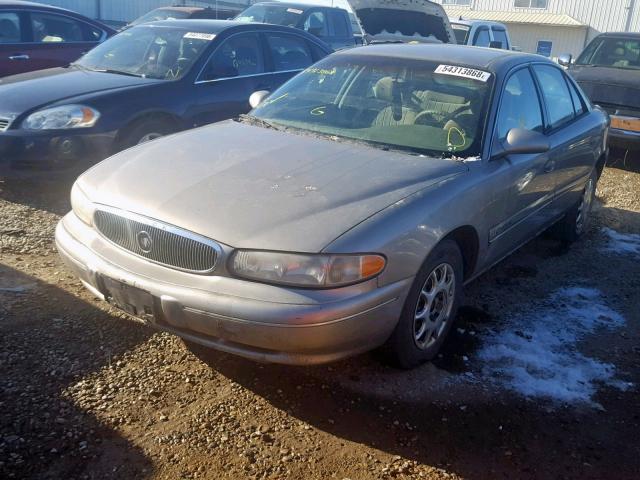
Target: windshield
[277,15]
[161,14]
[461,32]
[612,52]
[150,52]
[410,105]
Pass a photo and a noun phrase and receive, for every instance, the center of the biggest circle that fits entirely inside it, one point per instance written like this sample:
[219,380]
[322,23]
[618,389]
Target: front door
[234,71]
[530,178]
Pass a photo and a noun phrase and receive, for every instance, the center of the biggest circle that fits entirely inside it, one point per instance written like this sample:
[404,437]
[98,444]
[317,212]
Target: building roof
[537,18]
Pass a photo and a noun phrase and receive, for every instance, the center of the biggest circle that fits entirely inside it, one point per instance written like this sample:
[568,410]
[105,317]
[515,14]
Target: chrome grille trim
[4,124]
[172,246]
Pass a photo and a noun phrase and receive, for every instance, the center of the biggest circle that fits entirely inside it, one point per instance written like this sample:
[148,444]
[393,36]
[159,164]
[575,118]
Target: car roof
[633,35]
[299,6]
[470,23]
[489,59]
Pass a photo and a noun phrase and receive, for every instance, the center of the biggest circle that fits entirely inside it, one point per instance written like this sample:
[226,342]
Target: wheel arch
[171,119]
[468,241]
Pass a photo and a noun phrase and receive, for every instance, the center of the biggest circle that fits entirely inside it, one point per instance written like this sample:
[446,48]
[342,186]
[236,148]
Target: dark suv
[331,25]
[34,36]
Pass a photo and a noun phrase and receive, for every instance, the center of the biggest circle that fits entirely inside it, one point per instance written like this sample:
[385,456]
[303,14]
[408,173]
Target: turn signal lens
[303,270]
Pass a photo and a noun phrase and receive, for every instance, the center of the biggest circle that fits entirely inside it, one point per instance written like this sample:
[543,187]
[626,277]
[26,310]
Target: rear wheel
[576,221]
[430,308]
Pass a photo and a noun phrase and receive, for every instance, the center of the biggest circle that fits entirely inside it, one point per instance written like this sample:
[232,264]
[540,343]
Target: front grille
[4,124]
[158,242]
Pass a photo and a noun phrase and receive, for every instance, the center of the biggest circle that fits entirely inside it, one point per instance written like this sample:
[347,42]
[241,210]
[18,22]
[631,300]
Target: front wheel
[146,132]
[430,308]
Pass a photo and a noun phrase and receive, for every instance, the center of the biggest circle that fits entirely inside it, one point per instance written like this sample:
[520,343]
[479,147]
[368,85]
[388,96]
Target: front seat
[391,115]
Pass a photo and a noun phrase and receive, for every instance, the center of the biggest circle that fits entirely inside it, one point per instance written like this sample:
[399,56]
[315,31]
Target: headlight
[315,271]
[61,118]
[81,205]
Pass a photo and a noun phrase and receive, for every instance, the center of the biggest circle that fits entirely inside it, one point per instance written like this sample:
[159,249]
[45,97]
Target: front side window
[10,31]
[316,24]
[239,55]
[612,52]
[482,38]
[556,95]
[51,28]
[289,52]
[500,35]
[413,105]
[520,105]
[147,51]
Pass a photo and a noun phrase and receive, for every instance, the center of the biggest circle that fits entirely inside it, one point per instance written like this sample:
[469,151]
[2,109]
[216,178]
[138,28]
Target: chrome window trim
[198,82]
[166,227]
[256,32]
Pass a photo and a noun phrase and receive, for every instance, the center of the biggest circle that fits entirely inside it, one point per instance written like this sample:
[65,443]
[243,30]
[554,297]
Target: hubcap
[435,303]
[148,137]
[585,206]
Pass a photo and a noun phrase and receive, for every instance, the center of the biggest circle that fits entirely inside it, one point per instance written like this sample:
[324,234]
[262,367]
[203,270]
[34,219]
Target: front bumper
[261,322]
[23,149]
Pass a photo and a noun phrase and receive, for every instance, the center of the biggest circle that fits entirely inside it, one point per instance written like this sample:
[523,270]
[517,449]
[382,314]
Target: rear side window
[10,31]
[482,38]
[578,102]
[289,52]
[556,95]
[339,22]
[499,35]
[520,105]
[51,28]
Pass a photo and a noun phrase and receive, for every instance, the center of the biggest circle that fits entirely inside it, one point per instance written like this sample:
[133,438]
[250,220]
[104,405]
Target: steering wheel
[428,117]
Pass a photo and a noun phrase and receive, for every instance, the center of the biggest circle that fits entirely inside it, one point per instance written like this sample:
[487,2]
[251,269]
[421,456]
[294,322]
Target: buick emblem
[145,242]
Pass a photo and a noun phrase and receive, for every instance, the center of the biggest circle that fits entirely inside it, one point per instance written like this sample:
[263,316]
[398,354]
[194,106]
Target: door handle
[550,166]
[19,57]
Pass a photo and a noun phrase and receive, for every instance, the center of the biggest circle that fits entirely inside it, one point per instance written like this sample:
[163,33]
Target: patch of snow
[622,243]
[537,355]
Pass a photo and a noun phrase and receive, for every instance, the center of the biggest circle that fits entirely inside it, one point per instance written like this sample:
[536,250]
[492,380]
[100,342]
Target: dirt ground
[86,393]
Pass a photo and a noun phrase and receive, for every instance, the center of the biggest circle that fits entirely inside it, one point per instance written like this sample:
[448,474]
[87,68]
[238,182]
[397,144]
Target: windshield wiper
[258,122]
[120,72]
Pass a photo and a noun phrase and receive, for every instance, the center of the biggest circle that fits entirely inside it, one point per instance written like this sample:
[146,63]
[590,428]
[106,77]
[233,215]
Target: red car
[35,36]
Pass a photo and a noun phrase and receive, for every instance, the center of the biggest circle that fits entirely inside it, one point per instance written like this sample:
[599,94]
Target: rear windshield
[612,52]
[461,32]
[409,23]
[277,15]
[416,106]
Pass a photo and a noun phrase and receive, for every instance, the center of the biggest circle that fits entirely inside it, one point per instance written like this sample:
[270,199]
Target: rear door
[572,142]
[288,54]
[530,177]
[14,56]
[235,69]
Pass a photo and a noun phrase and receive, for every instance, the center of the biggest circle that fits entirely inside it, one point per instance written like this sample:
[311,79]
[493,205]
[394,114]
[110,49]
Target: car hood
[403,21]
[609,86]
[29,91]
[252,187]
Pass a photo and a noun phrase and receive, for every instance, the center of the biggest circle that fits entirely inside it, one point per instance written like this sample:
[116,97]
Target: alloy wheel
[434,306]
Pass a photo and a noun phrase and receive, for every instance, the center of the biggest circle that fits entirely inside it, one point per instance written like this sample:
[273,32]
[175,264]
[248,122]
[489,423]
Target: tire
[434,313]
[576,221]
[146,131]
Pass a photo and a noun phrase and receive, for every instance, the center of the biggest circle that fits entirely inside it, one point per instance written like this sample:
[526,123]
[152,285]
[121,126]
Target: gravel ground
[86,393]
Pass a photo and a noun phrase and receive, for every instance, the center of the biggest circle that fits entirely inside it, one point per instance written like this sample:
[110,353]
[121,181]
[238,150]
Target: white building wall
[565,39]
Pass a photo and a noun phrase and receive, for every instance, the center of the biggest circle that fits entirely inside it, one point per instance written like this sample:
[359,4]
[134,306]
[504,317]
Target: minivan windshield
[274,14]
[411,105]
[612,52]
[148,51]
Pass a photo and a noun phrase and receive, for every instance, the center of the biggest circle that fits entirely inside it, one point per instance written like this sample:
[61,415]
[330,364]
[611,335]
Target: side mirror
[258,97]
[521,141]
[565,60]
[495,44]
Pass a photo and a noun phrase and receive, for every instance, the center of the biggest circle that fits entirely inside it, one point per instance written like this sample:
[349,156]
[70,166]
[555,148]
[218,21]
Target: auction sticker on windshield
[200,36]
[463,72]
